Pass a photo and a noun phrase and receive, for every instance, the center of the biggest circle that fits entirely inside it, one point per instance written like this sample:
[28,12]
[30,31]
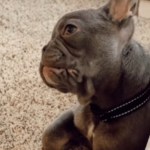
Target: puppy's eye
[70,29]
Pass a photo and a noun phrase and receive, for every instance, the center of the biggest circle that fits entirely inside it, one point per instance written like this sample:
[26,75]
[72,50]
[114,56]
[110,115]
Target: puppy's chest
[88,123]
[104,135]
[84,121]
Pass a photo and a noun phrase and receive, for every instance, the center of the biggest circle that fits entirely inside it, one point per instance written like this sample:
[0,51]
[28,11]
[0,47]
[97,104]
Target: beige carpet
[27,106]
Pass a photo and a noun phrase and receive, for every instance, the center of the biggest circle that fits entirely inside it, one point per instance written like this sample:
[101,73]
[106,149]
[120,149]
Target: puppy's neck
[135,70]
[134,77]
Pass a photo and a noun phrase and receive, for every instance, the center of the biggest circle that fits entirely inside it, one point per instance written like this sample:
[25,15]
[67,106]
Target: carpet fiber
[27,105]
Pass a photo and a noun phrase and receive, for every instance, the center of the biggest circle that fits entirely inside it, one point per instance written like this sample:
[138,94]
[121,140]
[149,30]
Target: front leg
[63,135]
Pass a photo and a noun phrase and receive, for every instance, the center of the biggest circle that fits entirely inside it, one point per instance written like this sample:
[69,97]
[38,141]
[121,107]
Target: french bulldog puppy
[93,55]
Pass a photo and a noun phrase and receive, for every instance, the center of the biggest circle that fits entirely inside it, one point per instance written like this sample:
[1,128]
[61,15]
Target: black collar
[122,110]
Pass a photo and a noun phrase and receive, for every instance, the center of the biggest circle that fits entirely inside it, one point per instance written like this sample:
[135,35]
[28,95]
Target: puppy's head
[85,48]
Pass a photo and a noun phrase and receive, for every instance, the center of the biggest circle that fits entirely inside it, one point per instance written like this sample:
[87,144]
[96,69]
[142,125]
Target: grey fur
[100,63]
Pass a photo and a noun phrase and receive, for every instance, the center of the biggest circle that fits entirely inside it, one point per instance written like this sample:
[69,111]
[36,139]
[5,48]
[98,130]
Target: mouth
[63,79]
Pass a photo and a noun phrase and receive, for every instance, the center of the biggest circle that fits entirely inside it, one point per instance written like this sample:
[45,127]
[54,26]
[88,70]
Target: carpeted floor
[27,106]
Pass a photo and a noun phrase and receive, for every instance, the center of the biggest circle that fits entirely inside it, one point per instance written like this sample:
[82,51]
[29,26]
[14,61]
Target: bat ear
[122,9]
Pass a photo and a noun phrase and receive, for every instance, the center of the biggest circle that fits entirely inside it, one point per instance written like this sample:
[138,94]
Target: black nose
[44,48]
